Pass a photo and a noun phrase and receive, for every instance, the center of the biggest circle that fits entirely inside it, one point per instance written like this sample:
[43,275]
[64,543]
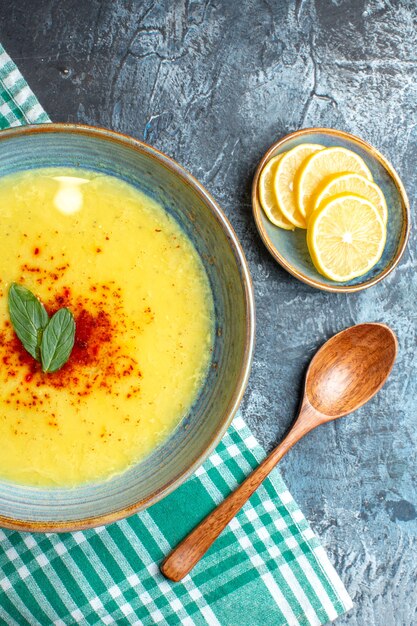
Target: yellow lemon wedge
[346,237]
[317,167]
[284,181]
[356,184]
[267,196]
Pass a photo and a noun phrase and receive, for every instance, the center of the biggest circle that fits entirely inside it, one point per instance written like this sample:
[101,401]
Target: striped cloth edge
[267,567]
[18,104]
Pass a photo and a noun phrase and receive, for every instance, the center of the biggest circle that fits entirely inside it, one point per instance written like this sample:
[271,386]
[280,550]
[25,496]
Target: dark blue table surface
[213,84]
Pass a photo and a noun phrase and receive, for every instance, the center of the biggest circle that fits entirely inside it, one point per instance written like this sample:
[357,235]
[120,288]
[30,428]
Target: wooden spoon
[344,374]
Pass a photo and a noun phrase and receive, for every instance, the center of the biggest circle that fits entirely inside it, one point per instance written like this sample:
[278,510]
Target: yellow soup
[144,322]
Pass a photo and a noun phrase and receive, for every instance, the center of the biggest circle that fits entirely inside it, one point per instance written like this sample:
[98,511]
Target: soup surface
[144,326]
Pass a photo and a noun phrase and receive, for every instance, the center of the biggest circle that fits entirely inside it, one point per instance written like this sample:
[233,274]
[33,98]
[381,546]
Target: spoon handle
[185,556]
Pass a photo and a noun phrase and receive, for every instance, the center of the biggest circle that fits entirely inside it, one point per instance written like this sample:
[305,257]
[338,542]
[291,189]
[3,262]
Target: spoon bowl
[350,369]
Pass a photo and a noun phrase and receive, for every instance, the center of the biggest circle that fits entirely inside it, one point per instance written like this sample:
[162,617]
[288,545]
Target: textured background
[213,84]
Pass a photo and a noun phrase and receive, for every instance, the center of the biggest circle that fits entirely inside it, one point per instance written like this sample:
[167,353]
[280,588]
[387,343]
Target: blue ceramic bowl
[289,248]
[50,145]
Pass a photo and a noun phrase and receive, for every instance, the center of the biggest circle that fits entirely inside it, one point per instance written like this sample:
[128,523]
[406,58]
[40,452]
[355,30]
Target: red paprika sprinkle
[97,362]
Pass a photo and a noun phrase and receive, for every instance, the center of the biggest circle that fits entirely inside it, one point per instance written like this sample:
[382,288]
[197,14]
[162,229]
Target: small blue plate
[289,248]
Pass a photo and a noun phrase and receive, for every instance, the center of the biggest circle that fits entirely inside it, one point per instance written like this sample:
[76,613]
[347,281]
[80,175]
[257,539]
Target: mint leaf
[49,341]
[29,318]
[57,340]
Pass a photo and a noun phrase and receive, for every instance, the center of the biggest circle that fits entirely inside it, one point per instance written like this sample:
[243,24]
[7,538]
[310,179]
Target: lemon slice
[357,184]
[345,237]
[267,195]
[284,181]
[318,166]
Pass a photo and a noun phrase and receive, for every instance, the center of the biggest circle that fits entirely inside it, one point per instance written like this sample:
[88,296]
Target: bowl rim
[243,267]
[257,211]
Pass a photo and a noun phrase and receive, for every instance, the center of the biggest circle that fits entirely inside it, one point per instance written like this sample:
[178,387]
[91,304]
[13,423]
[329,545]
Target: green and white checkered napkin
[268,567]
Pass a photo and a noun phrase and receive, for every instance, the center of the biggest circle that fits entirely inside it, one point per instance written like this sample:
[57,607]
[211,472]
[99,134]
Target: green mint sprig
[49,341]
[29,318]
